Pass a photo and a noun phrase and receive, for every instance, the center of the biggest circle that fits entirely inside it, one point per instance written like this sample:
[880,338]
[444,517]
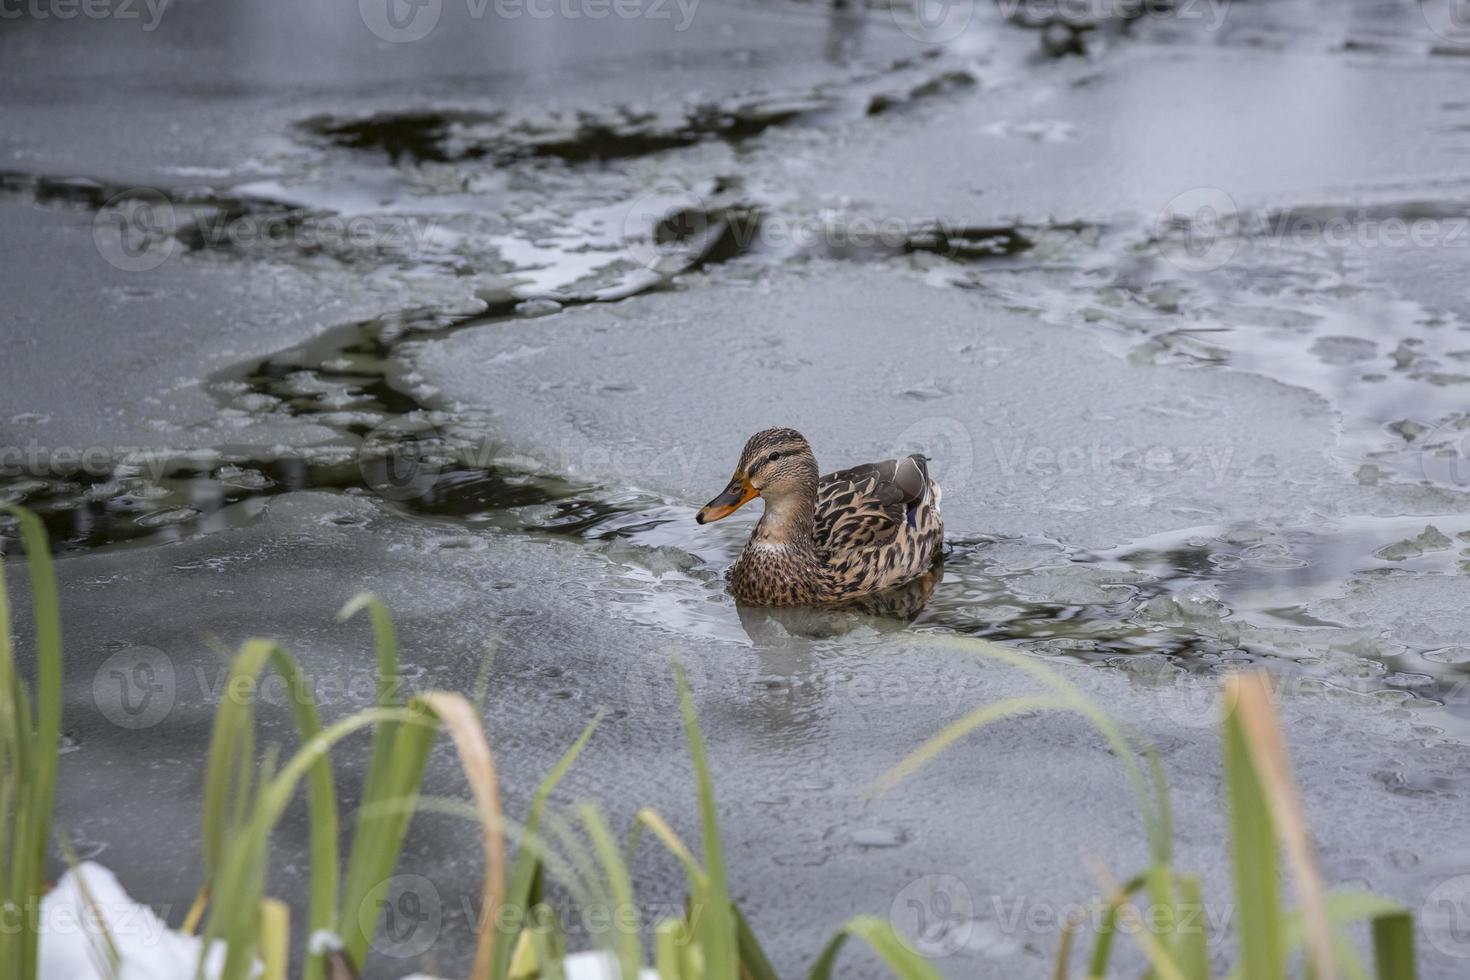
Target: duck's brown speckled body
[833,538]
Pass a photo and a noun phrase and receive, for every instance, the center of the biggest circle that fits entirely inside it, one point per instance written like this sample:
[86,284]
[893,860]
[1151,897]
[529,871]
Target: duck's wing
[866,505]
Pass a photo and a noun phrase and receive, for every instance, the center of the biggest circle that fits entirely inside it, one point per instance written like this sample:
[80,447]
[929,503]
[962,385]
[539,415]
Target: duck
[827,539]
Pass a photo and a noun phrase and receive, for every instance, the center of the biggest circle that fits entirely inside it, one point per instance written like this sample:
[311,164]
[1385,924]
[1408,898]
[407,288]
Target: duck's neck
[788,523]
[780,564]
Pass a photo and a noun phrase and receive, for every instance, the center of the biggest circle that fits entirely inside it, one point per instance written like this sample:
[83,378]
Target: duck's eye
[773,457]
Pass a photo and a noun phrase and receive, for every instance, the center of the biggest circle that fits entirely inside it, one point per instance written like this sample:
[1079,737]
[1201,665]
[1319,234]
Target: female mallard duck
[832,538]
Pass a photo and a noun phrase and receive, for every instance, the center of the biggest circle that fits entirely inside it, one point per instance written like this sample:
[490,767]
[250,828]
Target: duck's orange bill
[737,494]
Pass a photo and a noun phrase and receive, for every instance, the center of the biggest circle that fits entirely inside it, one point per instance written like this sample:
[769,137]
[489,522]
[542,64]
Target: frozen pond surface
[1179,313]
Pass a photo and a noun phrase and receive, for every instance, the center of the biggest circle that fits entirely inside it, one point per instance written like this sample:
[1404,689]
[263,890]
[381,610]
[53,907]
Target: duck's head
[776,464]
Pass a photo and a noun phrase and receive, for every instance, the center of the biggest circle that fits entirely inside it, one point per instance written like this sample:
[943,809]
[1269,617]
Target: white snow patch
[73,945]
[582,966]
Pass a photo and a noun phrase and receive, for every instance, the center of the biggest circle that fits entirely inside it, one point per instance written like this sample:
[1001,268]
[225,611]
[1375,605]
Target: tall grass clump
[247,789]
[244,800]
[1267,822]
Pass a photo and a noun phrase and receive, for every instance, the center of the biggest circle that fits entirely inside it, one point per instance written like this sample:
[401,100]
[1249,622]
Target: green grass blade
[238,885]
[1250,699]
[1161,875]
[671,842]
[904,962]
[550,942]
[322,809]
[15,767]
[275,939]
[1102,945]
[1107,930]
[233,718]
[1161,962]
[1166,809]
[578,870]
[1153,809]
[386,637]
[626,944]
[1347,907]
[1160,883]
[239,882]
[1253,843]
[461,721]
[389,696]
[1063,966]
[635,837]
[715,930]
[1192,944]
[1392,928]
[103,945]
[382,823]
[668,939]
[754,965]
[1393,945]
[1349,964]
[966,725]
[525,876]
[238,828]
[230,756]
[35,796]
